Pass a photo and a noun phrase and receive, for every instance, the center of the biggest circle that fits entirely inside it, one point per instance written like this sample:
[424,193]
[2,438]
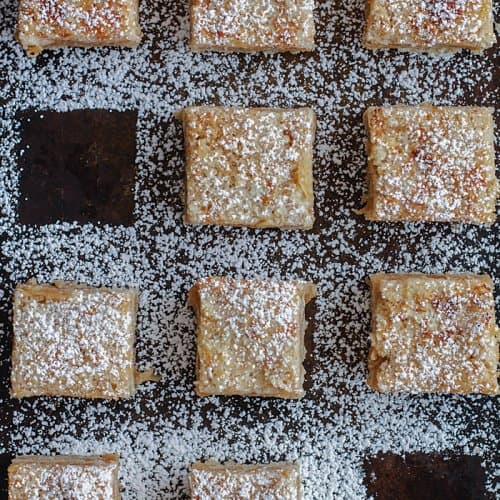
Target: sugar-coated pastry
[44,24]
[249,167]
[74,340]
[252,25]
[213,481]
[431,163]
[429,25]
[64,477]
[250,336]
[433,333]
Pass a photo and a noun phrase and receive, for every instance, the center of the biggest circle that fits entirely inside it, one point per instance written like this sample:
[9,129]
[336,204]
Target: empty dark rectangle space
[77,166]
[5,460]
[418,476]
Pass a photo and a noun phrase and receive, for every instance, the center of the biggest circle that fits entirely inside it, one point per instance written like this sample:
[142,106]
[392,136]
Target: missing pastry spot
[5,459]
[419,475]
[77,166]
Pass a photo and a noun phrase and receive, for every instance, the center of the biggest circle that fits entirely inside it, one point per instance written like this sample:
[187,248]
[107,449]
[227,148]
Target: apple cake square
[433,333]
[64,477]
[73,340]
[44,24]
[249,167]
[250,336]
[252,25]
[218,481]
[431,163]
[429,25]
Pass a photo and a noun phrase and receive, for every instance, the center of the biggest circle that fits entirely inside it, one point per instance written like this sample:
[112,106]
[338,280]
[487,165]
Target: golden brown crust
[249,167]
[429,25]
[431,163]
[44,24]
[252,25]
[240,482]
[64,476]
[433,333]
[73,340]
[250,337]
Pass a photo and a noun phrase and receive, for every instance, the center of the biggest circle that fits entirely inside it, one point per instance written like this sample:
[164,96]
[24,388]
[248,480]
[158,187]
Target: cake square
[44,24]
[431,163]
[249,167]
[429,25]
[213,480]
[58,477]
[252,25]
[433,333]
[250,336]
[73,340]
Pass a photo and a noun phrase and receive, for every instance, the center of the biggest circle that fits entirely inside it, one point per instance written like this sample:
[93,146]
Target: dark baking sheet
[128,231]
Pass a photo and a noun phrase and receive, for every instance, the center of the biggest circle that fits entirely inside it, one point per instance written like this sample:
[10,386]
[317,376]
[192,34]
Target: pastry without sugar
[431,163]
[249,167]
[74,340]
[277,481]
[44,24]
[64,477]
[429,25]
[250,336]
[252,25]
[433,333]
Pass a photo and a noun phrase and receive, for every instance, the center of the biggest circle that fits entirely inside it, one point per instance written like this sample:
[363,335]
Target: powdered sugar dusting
[250,336]
[59,478]
[249,167]
[236,25]
[73,341]
[431,163]
[430,24]
[165,428]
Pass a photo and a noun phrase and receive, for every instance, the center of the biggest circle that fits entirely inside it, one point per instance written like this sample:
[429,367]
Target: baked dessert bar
[73,340]
[44,24]
[249,167]
[433,333]
[431,163]
[250,336]
[64,477]
[429,25]
[240,482]
[252,25]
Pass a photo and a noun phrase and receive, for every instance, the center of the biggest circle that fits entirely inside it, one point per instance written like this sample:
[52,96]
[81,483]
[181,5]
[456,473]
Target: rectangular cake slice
[73,340]
[429,25]
[250,336]
[46,24]
[431,163]
[249,167]
[64,477]
[252,25]
[433,333]
[217,481]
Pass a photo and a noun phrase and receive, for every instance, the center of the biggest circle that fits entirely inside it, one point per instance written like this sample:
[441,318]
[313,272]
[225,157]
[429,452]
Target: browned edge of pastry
[368,210]
[193,300]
